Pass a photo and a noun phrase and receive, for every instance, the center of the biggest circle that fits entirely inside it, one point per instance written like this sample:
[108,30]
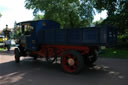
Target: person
[6,31]
[8,44]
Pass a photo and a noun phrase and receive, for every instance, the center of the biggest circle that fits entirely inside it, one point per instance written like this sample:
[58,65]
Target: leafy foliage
[117,13]
[110,5]
[78,13]
[38,17]
[69,13]
[17,32]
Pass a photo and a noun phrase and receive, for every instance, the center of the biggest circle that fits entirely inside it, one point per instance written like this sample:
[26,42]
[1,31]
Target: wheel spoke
[72,61]
[64,59]
[69,67]
[74,57]
[69,56]
[51,55]
[74,67]
[76,62]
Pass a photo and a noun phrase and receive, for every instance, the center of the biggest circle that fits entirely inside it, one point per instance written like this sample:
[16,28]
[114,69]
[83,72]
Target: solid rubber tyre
[91,58]
[17,55]
[78,61]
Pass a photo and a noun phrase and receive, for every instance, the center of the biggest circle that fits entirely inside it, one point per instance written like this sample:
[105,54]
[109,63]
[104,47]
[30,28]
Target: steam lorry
[75,48]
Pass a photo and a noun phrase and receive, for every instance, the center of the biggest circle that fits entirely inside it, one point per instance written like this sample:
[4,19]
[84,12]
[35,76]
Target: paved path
[29,72]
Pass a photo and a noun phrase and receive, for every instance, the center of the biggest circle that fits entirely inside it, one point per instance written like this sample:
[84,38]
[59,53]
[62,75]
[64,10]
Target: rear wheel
[91,57]
[17,55]
[72,61]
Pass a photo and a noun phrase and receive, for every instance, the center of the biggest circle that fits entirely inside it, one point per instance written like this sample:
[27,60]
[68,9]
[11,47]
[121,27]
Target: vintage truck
[75,47]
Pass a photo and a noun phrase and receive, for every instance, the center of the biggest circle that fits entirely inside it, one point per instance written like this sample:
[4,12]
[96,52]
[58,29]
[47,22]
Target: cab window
[28,29]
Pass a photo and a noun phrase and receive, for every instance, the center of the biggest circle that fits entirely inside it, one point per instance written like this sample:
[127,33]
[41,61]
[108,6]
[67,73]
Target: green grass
[114,53]
[2,49]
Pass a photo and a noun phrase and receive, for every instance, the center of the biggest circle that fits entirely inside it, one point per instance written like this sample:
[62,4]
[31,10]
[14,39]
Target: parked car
[2,39]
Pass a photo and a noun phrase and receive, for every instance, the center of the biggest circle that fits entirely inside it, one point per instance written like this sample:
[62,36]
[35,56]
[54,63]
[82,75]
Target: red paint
[60,49]
[65,64]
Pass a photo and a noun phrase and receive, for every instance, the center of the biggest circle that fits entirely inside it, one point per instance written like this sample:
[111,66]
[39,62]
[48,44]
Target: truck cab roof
[41,24]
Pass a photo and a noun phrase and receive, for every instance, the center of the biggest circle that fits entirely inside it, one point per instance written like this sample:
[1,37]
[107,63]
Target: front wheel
[17,55]
[72,61]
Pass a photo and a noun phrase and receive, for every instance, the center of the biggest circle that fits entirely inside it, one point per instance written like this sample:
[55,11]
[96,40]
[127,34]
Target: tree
[16,31]
[69,13]
[38,17]
[77,13]
[117,13]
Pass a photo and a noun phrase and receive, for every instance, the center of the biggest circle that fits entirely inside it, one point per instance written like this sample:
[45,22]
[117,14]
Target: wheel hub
[71,61]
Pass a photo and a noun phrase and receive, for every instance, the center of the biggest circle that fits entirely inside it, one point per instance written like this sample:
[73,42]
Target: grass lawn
[114,53]
[2,49]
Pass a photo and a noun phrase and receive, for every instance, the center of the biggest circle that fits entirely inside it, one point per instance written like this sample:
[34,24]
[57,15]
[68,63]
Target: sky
[14,10]
[98,16]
